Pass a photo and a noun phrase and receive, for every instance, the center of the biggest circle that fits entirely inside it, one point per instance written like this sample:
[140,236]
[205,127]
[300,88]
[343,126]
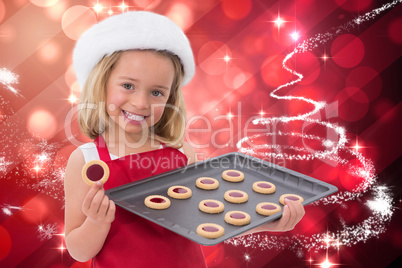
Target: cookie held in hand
[95,170]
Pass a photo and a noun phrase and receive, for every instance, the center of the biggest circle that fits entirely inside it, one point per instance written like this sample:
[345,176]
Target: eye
[128,86]
[156,93]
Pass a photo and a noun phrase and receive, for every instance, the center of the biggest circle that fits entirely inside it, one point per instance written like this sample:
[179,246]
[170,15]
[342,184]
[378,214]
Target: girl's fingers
[104,206]
[97,201]
[292,215]
[90,196]
[296,212]
[285,217]
[111,211]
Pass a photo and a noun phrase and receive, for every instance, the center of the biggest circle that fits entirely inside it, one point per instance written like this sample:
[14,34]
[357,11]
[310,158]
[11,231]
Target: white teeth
[134,116]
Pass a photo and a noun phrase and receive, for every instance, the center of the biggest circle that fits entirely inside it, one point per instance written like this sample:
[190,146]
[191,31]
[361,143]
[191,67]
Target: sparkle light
[37,168]
[247,257]
[7,209]
[73,99]
[279,22]
[227,58]
[326,263]
[123,7]
[325,57]
[98,8]
[357,146]
[47,231]
[295,35]
[4,164]
[42,157]
[7,78]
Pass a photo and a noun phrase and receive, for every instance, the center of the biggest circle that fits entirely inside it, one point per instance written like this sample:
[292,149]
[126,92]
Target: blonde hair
[92,115]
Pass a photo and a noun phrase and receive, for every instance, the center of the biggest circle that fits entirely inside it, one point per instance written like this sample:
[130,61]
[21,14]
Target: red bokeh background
[359,72]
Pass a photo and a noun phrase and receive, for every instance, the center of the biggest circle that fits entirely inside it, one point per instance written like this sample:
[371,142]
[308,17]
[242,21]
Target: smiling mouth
[134,117]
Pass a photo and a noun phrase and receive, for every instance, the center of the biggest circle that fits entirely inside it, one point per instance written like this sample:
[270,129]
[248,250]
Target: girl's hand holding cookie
[97,206]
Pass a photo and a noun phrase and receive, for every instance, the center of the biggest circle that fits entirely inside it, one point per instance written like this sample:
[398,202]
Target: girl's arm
[88,212]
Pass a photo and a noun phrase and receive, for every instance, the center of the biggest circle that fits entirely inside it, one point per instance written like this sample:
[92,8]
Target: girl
[131,68]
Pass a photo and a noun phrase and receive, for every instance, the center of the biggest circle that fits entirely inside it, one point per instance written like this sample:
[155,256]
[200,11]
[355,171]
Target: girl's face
[138,89]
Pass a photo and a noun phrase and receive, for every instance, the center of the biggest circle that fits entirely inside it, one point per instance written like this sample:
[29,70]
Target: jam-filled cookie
[210,230]
[292,197]
[237,218]
[267,208]
[157,202]
[207,183]
[211,206]
[233,175]
[95,170]
[236,196]
[264,187]
[179,192]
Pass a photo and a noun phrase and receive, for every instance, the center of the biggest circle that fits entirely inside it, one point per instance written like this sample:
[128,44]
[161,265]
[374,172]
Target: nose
[141,100]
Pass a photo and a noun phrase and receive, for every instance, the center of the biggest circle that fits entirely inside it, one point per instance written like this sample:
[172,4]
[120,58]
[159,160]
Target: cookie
[179,192]
[207,183]
[236,196]
[157,202]
[292,197]
[237,218]
[233,175]
[264,187]
[210,230]
[267,208]
[95,170]
[211,206]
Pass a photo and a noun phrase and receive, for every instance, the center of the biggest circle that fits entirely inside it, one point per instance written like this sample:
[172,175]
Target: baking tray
[183,216]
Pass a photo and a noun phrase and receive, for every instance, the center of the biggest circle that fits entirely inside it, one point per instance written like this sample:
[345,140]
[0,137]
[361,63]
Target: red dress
[134,241]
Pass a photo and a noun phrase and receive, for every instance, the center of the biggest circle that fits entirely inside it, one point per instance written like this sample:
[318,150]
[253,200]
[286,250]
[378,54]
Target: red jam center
[264,185]
[211,204]
[238,216]
[157,200]
[95,172]
[233,174]
[268,207]
[179,190]
[207,181]
[210,229]
[292,198]
[236,194]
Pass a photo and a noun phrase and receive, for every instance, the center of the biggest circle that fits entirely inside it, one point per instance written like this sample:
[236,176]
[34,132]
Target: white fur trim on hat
[128,31]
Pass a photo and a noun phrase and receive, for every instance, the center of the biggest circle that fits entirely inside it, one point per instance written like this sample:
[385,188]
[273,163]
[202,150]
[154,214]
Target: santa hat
[128,31]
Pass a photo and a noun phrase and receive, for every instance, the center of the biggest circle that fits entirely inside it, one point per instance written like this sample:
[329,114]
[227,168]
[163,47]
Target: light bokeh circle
[236,10]
[347,50]
[181,14]
[353,104]
[42,124]
[76,20]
